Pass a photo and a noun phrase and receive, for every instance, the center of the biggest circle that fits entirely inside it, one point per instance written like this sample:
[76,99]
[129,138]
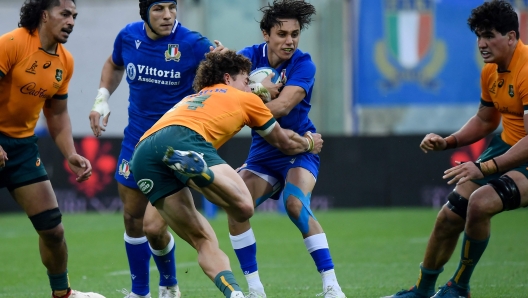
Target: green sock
[225,281]
[472,250]
[205,179]
[427,281]
[59,281]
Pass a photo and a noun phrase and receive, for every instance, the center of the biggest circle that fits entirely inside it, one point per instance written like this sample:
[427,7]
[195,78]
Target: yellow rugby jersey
[508,92]
[30,76]
[217,113]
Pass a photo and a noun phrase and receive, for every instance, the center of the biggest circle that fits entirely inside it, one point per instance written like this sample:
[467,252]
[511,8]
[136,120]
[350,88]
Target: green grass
[376,252]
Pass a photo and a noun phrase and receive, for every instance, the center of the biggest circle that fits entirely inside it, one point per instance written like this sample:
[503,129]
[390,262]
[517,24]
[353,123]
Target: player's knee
[46,220]
[458,204]
[297,205]
[293,206]
[508,192]
[154,229]
[244,211]
[448,223]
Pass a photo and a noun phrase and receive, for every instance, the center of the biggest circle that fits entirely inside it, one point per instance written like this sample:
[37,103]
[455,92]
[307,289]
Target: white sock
[254,283]
[330,280]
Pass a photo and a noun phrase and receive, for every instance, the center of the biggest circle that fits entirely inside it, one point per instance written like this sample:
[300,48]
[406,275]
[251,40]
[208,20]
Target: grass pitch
[376,252]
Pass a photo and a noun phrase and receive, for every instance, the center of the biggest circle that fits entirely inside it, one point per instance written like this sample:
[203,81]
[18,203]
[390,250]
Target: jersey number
[194,103]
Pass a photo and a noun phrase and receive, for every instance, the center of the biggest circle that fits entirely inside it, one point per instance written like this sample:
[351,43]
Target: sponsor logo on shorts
[37,163]
[145,185]
[124,169]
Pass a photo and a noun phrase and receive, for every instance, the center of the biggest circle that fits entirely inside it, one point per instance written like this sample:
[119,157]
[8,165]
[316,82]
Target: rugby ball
[255,81]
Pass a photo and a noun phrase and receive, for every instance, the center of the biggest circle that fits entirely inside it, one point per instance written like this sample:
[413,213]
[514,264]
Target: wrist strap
[311,143]
[488,167]
[451,142]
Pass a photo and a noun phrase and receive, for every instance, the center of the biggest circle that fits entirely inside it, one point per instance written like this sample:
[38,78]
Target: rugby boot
[410,293]
[188,163]
[452,290]
[169,292]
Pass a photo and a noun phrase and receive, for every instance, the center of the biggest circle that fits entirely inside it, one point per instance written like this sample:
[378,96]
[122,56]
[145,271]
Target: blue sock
[245,248]
[166,264]
[138,253]
[317,246]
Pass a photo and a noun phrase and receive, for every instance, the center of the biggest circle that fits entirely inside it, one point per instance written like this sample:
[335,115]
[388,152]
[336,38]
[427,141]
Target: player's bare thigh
[256,185]
[134,201]
[179,212]
[227,187]
[35,198]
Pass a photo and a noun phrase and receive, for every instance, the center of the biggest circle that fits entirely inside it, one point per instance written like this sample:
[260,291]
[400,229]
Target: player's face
[58,22]
[495,47]
[282,41]
[240,81]
[162,17]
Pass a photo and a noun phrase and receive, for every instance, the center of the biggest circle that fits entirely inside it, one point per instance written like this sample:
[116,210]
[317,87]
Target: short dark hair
[495,14]
[31,12]
[286,9]
[211,70]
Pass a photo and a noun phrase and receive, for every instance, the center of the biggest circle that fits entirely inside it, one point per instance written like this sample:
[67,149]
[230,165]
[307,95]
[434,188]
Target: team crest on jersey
[173,53]
[33,68]
[124,169]
[407,54]
[58,75]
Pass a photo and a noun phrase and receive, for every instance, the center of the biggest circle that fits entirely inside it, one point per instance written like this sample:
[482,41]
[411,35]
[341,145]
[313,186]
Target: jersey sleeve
[485,97]
[8,53]
[523,87]
[302,74]
[117,54]
[258,116]
[62,93]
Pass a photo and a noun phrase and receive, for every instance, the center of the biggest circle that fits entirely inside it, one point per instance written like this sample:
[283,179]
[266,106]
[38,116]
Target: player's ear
[265,35]
[227,79]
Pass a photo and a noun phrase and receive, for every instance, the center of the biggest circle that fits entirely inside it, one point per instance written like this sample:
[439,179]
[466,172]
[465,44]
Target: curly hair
[286,9]
[496,14]
[211,70]
[31,12]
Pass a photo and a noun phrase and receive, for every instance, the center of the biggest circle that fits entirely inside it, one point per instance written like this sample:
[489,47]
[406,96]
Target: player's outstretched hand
[317,140]
[3,157]
[80,166]
[273,89]
[433,142]
[100,108]
[219,47]
[464,171]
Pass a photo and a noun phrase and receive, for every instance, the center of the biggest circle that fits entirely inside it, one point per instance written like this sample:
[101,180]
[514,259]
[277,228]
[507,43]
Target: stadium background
[379,89]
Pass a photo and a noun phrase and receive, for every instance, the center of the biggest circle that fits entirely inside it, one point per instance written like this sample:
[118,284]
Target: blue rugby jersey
[300,71]
[159,72]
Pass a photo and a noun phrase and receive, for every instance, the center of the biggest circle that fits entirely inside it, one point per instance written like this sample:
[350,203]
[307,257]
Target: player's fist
[433,142]
[100,109]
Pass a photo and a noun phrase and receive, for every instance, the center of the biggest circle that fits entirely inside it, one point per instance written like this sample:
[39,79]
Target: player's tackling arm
[111,76]
[290,142]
